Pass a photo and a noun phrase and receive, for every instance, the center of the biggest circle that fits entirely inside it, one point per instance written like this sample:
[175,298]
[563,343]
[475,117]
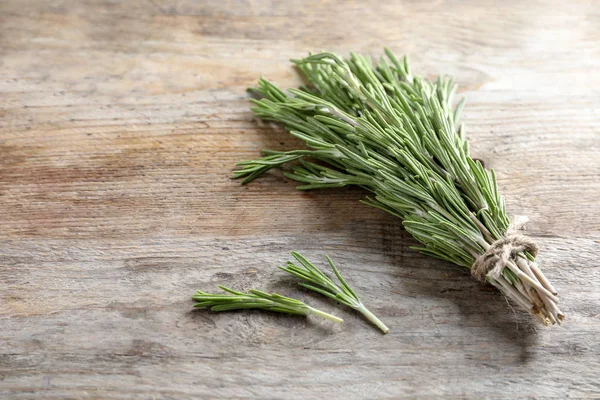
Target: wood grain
[119,126]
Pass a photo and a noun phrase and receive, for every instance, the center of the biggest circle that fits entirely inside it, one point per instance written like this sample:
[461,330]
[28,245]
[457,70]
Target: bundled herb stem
[315,280]
[378,126]
[257,300]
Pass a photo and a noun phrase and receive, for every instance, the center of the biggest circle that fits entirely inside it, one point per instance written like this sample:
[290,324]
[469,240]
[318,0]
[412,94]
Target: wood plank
[120,123]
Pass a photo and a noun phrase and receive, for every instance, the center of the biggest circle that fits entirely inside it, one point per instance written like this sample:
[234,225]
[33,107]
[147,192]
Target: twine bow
[495,258]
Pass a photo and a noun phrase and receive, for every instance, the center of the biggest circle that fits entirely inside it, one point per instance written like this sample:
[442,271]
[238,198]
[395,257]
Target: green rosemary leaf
[321,290]
[345,285]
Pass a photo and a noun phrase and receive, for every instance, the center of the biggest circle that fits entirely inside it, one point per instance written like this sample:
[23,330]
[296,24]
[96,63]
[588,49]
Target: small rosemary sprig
[259,300]
[317,281]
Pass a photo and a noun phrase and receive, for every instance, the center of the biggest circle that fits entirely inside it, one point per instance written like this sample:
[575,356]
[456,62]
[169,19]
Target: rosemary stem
[544,281]
[512,293]
[524,265]
[552,311]
[558,315]
[372,318]
[323,314]
[533,294]
[537,299]
[511,265]
[521,289]
[482,228]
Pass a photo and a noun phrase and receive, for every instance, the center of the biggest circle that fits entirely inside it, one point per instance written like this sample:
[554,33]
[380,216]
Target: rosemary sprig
[378,126]
[259,300]
[317,281]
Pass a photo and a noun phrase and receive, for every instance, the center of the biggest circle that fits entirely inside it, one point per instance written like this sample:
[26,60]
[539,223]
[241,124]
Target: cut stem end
[372,318]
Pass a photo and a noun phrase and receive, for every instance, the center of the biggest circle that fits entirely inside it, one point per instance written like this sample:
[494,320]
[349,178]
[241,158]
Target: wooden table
[120,123]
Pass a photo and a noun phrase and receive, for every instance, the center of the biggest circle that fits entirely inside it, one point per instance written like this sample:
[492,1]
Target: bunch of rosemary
[378,126]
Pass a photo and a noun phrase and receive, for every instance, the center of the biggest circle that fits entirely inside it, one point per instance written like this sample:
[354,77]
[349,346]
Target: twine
[495,258]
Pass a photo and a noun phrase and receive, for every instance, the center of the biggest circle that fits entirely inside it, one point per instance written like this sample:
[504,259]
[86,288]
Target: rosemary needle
[315,280]
[258,300]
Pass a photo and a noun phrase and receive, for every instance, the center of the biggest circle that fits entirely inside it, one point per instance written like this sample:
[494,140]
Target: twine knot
[495,258]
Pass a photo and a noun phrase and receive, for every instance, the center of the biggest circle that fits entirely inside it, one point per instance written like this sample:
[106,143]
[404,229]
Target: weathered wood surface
[119,126]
